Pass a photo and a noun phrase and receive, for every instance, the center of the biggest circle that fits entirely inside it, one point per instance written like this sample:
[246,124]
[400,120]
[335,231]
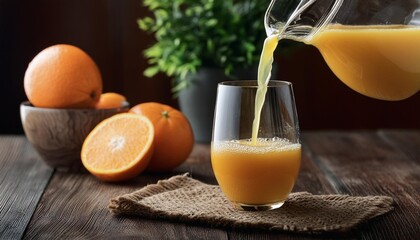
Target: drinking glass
[259,174]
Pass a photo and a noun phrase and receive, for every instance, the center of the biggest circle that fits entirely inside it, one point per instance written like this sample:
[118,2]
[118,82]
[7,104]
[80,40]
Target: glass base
[258,207]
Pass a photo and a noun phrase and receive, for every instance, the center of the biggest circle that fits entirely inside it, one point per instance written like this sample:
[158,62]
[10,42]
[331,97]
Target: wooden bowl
[58,134]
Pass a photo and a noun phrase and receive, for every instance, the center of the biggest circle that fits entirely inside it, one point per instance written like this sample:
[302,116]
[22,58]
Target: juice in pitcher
[372,46]
[382,62]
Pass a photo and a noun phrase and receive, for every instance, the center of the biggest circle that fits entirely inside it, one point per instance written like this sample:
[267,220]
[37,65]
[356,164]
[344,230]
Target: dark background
[107,30]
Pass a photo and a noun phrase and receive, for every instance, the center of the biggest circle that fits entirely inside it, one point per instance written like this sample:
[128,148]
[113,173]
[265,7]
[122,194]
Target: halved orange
[119,148]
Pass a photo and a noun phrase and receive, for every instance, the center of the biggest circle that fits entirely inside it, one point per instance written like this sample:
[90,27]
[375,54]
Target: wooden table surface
[38,202]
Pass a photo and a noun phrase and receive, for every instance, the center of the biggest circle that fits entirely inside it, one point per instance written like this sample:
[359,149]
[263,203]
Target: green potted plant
[200,43]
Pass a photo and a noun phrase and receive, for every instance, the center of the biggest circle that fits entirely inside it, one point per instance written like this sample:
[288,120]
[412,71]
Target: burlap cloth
[182,198]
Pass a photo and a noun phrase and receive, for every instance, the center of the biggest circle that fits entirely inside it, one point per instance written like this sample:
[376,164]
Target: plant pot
[197,102]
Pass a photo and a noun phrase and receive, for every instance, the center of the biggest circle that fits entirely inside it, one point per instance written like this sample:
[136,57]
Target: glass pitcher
[373,46]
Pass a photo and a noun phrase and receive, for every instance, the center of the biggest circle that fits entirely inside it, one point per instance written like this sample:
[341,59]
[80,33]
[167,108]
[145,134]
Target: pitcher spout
[299,20]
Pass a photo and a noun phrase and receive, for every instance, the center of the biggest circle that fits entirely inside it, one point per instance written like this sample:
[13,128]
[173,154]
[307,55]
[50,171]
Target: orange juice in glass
[255,174]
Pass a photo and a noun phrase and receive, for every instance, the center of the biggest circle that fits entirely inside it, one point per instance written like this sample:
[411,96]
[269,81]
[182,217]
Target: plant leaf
[151,71]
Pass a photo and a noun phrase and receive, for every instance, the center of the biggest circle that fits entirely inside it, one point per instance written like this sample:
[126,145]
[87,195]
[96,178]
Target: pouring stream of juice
[264,75]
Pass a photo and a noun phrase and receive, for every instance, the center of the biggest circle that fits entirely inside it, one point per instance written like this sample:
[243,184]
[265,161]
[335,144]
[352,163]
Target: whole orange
[174,137]
[63,76]
[111,100]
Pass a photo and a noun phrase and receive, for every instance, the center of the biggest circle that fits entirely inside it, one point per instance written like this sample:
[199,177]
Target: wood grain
[75,206]
[74,203]
[58,134]
[23,177]
[365,163]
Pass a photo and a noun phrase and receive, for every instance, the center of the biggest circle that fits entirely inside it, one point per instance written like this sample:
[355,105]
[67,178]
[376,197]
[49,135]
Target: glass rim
[253,83]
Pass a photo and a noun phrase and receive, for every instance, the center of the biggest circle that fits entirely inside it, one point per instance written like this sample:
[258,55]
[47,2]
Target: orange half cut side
[119,148]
